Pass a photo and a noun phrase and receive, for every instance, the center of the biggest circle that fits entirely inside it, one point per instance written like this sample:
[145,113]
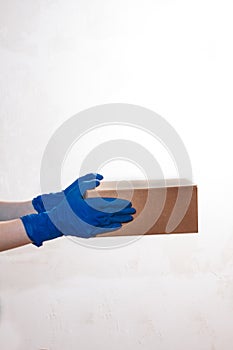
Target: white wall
[174,57]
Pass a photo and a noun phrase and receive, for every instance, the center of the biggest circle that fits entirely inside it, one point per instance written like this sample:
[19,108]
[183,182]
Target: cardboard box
[162,206]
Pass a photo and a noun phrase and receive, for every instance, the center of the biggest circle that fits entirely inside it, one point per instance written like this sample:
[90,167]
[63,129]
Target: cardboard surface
[162,206]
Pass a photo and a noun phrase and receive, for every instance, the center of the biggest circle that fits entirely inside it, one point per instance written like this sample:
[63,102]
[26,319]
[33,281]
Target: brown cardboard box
[162,206]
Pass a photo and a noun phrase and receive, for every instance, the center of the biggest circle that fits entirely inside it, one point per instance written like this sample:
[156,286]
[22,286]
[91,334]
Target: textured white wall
[174,57]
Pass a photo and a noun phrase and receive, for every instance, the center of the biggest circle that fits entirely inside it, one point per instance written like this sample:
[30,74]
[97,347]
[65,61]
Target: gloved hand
[51,200]
[77,216]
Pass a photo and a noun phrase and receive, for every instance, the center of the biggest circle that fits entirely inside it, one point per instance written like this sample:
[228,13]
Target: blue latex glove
[77,216]
[51,200]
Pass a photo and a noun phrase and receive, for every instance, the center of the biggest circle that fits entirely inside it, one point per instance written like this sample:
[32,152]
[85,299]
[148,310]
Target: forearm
[14,210]
[12,234]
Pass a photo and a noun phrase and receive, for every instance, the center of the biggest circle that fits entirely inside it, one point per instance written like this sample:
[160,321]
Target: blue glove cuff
[39,228]
[47,202]
[38,204]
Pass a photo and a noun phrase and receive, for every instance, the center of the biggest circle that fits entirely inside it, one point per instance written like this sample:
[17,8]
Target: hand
[48,201]
[88,217]
[77,216]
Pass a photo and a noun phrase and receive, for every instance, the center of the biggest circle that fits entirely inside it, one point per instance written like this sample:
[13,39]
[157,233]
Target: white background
[174,57]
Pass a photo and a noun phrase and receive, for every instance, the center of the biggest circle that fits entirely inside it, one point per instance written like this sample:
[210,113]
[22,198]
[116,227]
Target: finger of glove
[91,176]
[118,213]
[87,177]
[116,202]
[109,205]
[88,185]
[125,211]
[109,228]
[121,218]
[108,220]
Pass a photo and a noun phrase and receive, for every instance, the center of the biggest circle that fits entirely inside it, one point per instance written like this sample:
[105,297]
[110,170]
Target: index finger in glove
[108,205]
